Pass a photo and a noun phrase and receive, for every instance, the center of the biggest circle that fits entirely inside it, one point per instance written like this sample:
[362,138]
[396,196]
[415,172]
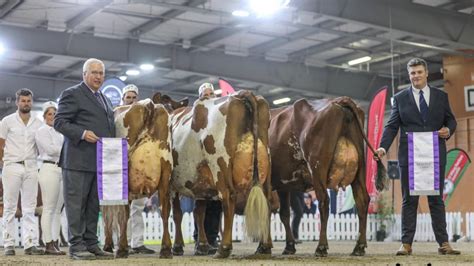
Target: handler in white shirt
[49,143]
[20,173]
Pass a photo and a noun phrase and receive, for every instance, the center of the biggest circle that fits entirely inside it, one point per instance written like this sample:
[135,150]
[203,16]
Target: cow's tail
[382,180]
[257,211]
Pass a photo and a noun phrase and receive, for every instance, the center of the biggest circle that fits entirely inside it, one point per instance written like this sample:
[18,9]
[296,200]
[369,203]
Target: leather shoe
[143,250]
[404,250]
[446,249]
[82,255]
[51,249]
[34,251]
[9,251]
[56,246]
[100,254]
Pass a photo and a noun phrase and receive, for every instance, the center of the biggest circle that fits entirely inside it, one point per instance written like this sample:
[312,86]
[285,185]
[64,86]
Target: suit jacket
[406,117]
[79,110]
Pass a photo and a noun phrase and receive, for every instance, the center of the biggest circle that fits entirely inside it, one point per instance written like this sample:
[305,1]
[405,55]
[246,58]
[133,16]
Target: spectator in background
[296,203]
[309,206]
[19,153]
[49,143]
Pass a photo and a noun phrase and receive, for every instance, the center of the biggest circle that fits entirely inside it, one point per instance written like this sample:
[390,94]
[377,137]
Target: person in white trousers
[136,225]
[49,143]
[18,152]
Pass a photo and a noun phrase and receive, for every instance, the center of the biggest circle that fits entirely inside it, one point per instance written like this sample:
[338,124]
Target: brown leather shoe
[446,249]
[56,246]
[51,249]
[404,250]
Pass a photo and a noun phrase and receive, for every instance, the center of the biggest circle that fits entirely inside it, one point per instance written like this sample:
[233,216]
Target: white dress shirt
[49,143]
[19,138]
[426,95]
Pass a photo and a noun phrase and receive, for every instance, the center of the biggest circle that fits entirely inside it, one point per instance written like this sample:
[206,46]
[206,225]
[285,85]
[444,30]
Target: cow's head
[169,103]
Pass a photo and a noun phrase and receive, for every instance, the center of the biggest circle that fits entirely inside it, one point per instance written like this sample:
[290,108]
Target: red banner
[374,134]
[225,87]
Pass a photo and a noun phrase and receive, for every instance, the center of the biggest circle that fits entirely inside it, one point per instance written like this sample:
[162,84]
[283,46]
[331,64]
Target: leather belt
[51,162]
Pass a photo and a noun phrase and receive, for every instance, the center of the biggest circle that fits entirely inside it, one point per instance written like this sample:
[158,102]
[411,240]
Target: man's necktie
[423,107]
[99,98]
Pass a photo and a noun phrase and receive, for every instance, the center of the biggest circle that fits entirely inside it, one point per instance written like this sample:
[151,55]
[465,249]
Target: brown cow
[319,144]
[213,153]
[147,129]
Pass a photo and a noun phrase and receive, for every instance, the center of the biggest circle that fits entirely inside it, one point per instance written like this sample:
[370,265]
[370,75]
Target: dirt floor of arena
[378,253]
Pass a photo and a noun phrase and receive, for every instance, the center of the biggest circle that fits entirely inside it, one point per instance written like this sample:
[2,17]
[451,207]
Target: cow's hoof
[108,248]
[263,250]
[201,249]
[289,249]
[165,253]
[223,252]
[178,250]
[359,250]
[121,254]
[321,251]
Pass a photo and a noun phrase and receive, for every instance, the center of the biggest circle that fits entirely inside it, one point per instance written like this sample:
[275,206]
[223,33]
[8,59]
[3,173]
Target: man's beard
[25,110]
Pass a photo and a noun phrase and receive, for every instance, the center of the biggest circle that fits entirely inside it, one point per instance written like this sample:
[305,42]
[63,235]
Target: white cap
[130,87]
[49,104]
[205,86]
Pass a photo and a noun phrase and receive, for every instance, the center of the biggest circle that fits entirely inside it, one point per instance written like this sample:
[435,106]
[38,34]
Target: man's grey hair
[417,62]
[90,61]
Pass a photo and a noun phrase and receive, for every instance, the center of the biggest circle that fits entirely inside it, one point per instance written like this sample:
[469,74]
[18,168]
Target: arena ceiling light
[123,78]
[240,13]
[264,8]
[359,60]
[281,101]
[147,67]
[133,72]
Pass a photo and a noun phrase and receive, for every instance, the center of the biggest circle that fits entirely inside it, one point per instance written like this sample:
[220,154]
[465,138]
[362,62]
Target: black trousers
[410,206]
[81,201]
[211,221]
[296,203]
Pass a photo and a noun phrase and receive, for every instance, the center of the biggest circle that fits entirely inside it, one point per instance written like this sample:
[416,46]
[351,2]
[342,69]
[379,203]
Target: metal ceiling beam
[323,47]
[250,22]
[300,34]
[383,47]
[152,24]
[8,7]
[457,5]
[215,35]
[298,77]
[431,23]
[85,14]
[70,69]
[36,62]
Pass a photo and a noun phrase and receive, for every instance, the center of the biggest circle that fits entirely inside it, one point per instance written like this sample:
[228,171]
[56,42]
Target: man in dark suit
[420,108]
[84,115]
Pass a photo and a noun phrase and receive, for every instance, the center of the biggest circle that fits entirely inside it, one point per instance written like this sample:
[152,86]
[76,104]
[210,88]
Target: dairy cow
[319,145]
[147,128]
[220,151]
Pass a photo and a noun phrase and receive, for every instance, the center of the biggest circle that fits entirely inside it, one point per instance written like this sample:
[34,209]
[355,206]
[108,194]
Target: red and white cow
[220,151]
[147,128]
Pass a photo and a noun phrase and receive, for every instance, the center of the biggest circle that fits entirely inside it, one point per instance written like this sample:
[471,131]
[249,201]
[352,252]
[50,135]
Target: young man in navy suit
[420,108]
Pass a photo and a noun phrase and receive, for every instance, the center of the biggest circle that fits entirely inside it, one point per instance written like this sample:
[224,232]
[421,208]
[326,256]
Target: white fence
[340,227]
